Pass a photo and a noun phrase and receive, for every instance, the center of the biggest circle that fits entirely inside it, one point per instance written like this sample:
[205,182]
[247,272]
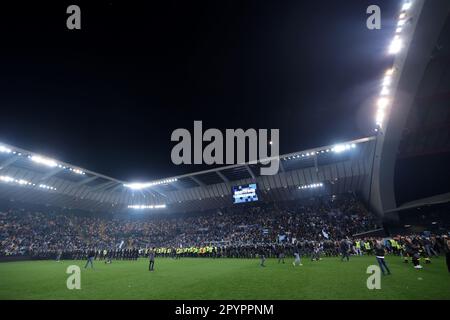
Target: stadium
[311,231]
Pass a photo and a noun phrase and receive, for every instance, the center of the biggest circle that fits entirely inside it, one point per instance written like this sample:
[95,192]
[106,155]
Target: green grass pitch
[198,278]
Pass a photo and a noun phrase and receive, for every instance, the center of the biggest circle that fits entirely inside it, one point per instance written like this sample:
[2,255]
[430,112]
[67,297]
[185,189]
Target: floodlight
[406,6]
[379,117]
[384,91]
[45,161]
[137,185]
[77,171]
[6,179]
[44,186]
[389,72]
[387,80]
[396,45]
[339,148]
[5,149]
[144,206]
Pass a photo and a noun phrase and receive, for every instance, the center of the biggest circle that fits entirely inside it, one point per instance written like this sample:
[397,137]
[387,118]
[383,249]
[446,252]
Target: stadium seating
[25,232]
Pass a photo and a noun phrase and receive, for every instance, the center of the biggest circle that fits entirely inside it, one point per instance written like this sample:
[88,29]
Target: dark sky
[108,97]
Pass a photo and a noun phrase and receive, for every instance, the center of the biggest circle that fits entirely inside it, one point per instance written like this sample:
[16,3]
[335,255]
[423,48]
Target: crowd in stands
[239,231]
[30,232]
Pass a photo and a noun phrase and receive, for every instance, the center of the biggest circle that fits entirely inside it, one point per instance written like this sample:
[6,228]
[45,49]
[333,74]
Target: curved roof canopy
[33,178]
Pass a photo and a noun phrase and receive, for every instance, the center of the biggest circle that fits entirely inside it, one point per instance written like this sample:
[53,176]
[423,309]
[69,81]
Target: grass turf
[191,278]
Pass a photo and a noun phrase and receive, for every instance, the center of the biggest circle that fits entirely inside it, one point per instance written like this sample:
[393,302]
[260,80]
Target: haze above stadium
[108,97]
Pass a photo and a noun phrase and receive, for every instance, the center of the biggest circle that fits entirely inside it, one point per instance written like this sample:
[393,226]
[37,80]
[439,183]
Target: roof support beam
[5,164]
[115,188]
[220,174]
[174,185]
[197,181]
[50,174]
[103,186]
[250,172]
[87,180]
[158,192]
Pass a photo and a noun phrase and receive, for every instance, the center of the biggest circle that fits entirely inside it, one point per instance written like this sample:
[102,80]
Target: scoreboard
[245,193]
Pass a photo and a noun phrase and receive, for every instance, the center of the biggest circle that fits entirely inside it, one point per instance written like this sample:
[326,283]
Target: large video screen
[245,193]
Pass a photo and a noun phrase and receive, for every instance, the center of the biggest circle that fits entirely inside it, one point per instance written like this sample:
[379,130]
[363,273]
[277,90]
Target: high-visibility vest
[367,245]
[358,245]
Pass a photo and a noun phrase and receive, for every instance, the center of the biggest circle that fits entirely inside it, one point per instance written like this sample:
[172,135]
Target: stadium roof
[32,178]
[413,116]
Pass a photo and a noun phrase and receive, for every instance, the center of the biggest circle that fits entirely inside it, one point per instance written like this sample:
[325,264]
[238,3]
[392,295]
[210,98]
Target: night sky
[107,97]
